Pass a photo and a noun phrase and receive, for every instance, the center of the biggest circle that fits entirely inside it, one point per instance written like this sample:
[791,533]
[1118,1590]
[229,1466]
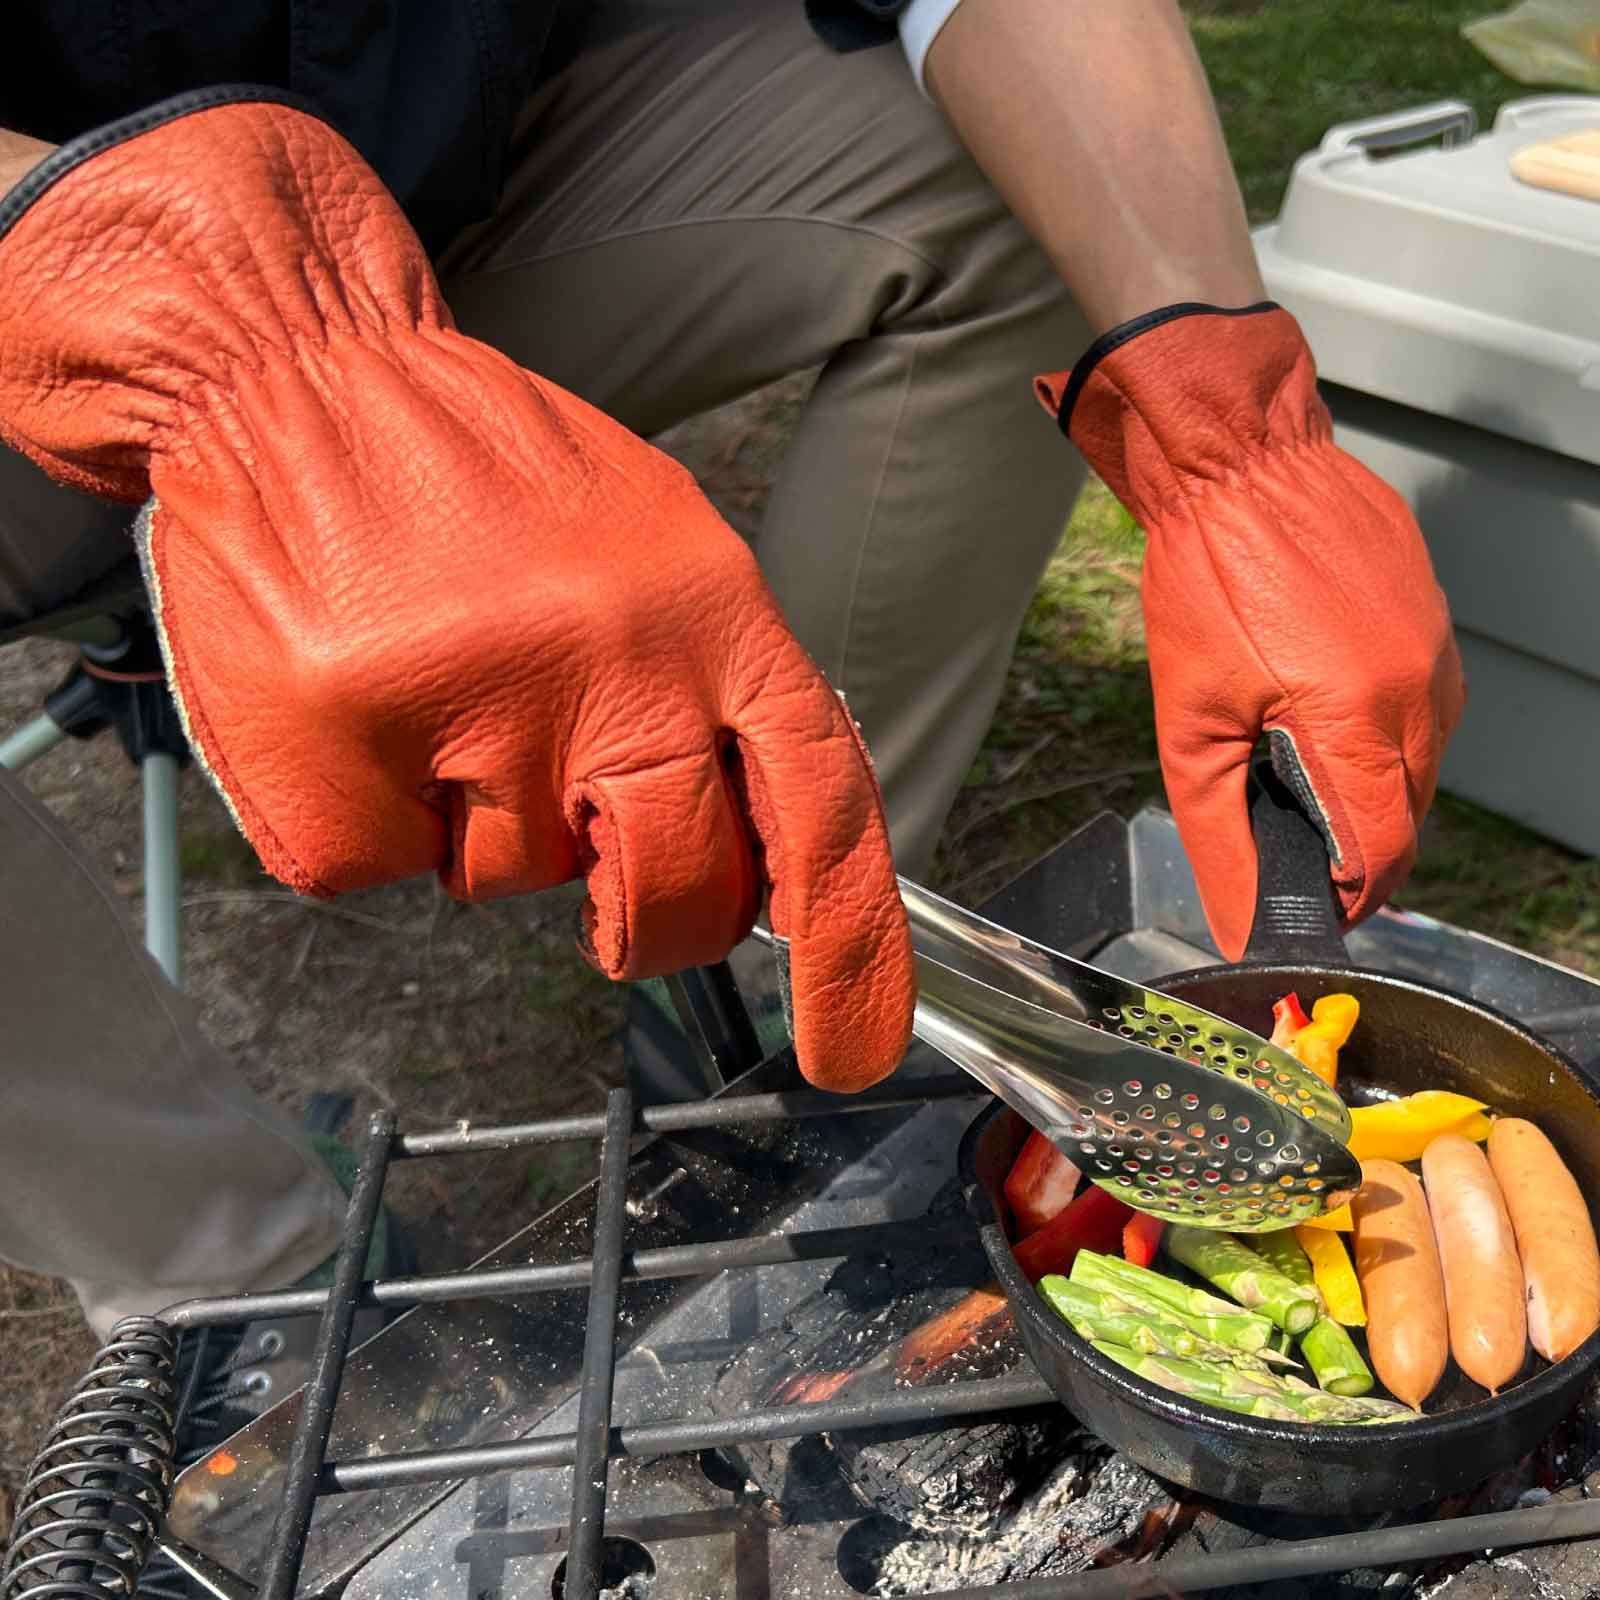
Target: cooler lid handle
[1451,122]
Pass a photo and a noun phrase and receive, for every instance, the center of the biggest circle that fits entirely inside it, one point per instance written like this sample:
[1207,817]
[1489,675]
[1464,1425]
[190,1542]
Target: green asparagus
[1281,1251]
[1104,1316]
[1219,1321]
[1334,1360]
[1329,1350]
[1255,1394]
[1146,1328]
[1237,1270]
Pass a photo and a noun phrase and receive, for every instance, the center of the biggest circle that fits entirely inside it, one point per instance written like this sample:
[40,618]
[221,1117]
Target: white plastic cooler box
[1455,316]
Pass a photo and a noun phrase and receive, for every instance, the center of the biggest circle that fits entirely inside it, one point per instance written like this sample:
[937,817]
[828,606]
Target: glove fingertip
[1214,825]
[851,1011]
[1230,931]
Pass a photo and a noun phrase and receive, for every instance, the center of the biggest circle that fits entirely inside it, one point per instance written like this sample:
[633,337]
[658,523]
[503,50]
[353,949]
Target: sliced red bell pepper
[1094,1221]
[1288,1018]
[1040,1185]
[1141,1238]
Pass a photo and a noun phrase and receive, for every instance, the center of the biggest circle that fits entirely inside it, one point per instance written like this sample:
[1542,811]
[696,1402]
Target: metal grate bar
[974,1398]
[310,1446]
[590,1463]
[674,1261]
[684,1116]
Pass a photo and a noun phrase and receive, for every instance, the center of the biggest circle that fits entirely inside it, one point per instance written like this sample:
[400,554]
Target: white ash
[1080,1510]
[635,1586]
[1526,1583]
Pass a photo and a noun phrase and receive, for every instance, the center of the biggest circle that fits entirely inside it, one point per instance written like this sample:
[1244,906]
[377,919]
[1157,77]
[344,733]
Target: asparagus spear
[1334,1359]
[1328,1349]
[1317,1405]
[1255,1394]
[1281,1251]
[1219,1321]
[1237,1270]
[1098,1315]
[1200,1380]
[1366,1407]
[1104,1316]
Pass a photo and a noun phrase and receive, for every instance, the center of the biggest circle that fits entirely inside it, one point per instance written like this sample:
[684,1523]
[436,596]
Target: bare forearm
[1096,124]
[18,154]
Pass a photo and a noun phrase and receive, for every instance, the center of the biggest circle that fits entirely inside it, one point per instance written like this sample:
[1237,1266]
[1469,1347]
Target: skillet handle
[1296,917]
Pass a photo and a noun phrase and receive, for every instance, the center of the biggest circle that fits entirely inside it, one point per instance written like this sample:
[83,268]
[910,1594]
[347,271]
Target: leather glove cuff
[161,258]
[1188,392]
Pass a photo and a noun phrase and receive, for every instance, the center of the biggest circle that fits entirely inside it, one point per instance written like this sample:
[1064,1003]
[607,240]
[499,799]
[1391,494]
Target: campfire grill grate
[598,1443]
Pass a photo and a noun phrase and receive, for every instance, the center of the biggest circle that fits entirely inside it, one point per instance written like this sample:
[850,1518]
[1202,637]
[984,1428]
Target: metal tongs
[1177,1111]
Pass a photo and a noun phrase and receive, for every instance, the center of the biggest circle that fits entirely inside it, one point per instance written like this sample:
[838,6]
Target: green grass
[1484,872]
[218,856]
[1284,71]
[1074,733]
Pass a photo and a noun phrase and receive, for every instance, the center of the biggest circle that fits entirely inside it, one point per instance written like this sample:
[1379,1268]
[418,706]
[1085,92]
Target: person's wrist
[19,155]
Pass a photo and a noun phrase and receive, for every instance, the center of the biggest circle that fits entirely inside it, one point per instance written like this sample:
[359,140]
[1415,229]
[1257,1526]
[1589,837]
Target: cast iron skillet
[1410,1036]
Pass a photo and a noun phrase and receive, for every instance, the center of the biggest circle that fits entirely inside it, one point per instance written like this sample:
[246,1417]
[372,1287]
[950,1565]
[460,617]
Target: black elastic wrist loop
[75,152]
[1115,338]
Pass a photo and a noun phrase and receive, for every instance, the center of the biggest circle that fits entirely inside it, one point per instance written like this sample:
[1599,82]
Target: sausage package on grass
[1553,43]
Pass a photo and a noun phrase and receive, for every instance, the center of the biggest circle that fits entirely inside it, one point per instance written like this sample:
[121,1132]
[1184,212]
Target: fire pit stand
[548,1421]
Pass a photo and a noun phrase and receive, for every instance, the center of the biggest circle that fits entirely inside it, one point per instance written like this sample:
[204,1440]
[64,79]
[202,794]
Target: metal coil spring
[97,1491]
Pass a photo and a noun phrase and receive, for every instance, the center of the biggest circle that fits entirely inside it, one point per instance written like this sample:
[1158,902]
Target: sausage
[1398,1264]
[1555,1235]
[1478,1255]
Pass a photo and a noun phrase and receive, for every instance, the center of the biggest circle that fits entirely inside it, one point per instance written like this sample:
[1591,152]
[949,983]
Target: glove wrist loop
[1192,396]
[1113,339]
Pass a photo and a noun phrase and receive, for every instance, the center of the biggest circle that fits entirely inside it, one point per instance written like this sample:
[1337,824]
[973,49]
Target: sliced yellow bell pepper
[1316,1040]
[1335,1276]
[1400,1130]
[1337,1221]
[1318,1043]
[1338,1014]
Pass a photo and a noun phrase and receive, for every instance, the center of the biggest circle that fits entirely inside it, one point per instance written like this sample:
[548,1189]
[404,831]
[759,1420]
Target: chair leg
[163,873]
[30,741]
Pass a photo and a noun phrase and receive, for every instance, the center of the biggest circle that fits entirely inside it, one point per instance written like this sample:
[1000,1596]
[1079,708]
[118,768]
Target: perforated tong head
[1175,1110]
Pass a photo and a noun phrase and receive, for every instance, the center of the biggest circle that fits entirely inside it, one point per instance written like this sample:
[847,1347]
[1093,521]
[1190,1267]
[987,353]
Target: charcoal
[1091,1504]
[821,1342]
[939,1477]
[847,1339]
[928,1475]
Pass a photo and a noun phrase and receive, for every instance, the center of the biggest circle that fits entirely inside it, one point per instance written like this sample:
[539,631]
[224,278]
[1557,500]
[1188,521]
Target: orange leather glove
[1286,590]
[421,609]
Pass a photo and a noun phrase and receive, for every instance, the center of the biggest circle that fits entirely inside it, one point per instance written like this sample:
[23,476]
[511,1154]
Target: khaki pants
[706,200]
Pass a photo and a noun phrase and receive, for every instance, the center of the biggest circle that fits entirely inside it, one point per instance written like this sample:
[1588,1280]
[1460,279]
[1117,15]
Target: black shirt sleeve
[855,24]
